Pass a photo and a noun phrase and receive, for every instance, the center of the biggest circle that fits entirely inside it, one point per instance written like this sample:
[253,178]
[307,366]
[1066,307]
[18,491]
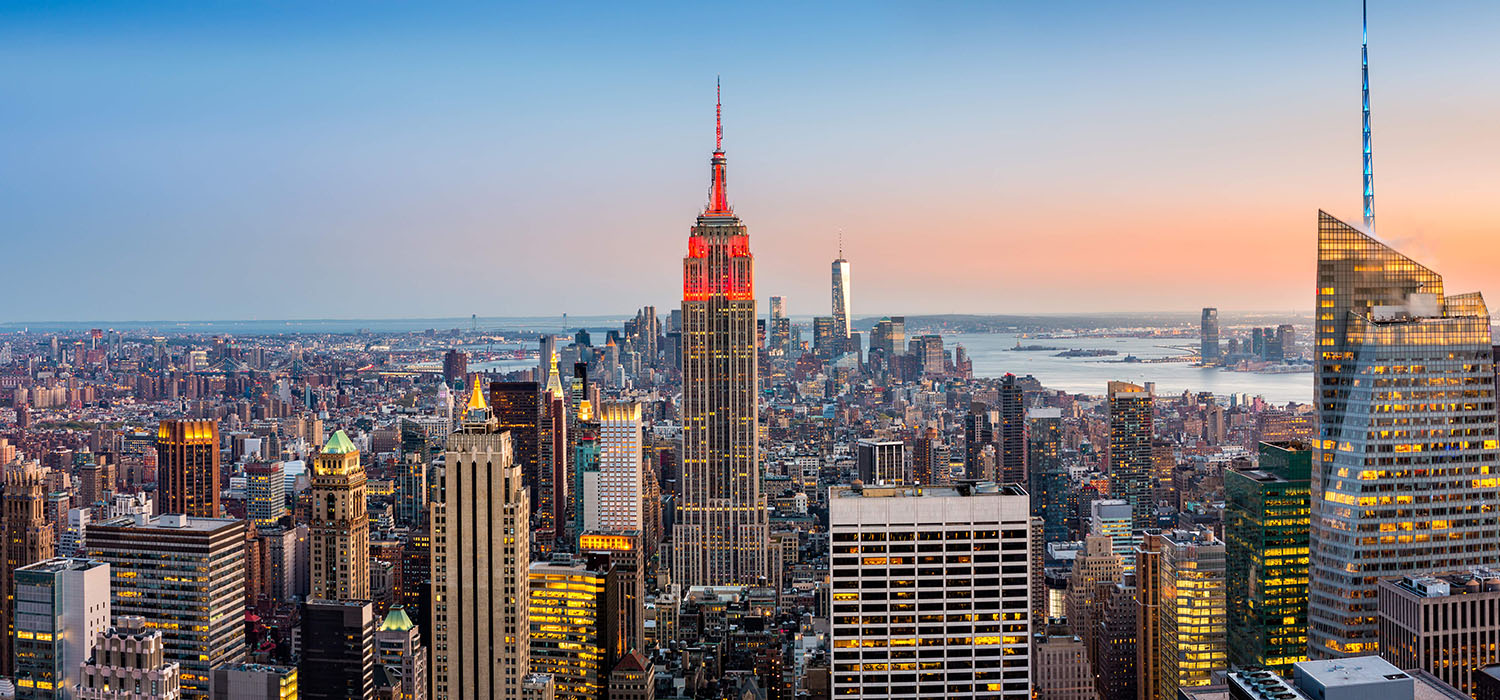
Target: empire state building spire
[718,197]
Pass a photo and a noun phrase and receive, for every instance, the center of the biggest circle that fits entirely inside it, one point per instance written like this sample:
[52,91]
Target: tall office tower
[187,467]
[412,491]
[1404,481]
[979,432]
[29,538]
[481,545]
[1048,476]
[158,563]
[518,407]
[255,682]
[1208,336]
[896,337]
[546,350]
[627,560]
[880,543]
[1010,433]
[1095,570]
[1258,342]
[63,606]
[778,307]
[71,541]
[1192,633]
[338,650]
[265,493]
[1286,339]
[1130,450]
[553,475]
[1148,557]
[339,533]
[455,367]
[130,662]
[826,341]
[1112,518]
[399,651]
[1266,525]
[930,353]
[1273,352]
[924,456]
[841,313]
[881,462]
[586,451]
[575,632]
[722,530]
[779,330]
[620,474]
[1114,644]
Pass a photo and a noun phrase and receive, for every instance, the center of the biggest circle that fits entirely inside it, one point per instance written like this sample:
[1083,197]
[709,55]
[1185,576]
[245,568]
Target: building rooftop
[339,444]
[171,521]
[1449,584]
[978,488]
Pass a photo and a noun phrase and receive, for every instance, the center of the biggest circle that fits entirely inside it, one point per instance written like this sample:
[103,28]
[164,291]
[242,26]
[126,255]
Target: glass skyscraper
[1404,476]
[1265,552]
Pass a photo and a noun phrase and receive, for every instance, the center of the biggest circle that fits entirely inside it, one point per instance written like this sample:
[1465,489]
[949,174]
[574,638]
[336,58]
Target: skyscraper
[841,318]
[721,532]
[881,462]
[618,499]
[188,467]
[1208,336]
[553,476]
[481,544]
[1130,458]
[1048,477]
[1265,552]
[399,650]
[64,606]
[265,493]
[1404,478]
[339,534]
[518,407]
[982,652]
[338,650]
[1010,432]
[29,538]
[574,632]
[1192,634]
[156,564]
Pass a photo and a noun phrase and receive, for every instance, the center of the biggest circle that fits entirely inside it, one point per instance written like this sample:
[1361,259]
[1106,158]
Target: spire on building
[554,380]
[718,199]
[1364,69]
[476,398]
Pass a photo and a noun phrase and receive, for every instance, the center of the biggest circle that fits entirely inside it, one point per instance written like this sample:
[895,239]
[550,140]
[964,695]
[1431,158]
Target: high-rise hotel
[721,533]
[1404,476]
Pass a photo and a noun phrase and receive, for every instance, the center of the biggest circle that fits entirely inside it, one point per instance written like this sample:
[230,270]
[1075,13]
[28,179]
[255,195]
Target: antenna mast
[1364,68]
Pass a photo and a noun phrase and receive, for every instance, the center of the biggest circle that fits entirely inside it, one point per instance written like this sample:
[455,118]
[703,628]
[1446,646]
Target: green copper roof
[339,444]
[396,620]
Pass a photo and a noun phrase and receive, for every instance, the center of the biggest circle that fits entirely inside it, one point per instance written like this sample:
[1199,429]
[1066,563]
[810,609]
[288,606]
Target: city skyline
[308,154]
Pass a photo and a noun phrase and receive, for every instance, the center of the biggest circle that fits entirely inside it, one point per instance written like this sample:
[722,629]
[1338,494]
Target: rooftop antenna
[719,114]
[1364,69]
[841,243]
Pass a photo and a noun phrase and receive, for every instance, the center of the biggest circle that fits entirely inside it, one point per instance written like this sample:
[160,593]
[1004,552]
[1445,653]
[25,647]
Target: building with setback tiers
[722,529]
[481,546]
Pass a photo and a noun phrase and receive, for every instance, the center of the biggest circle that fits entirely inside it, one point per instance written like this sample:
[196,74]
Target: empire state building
[721,533]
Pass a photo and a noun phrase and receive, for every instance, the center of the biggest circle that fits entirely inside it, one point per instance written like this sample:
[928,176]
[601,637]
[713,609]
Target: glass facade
[1191,609]
[1404,473]
[1266,521]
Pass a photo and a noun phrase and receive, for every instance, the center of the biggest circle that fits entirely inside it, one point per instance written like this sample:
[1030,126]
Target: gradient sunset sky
[228,160]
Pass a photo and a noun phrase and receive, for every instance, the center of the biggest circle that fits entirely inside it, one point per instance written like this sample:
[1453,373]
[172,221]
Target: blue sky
[312,160]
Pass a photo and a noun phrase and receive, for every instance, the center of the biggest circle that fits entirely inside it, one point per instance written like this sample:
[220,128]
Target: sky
[265,160]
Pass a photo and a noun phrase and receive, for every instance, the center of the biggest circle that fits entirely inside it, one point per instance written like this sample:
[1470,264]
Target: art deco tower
[721,533]
[339,535]
[1405,476]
